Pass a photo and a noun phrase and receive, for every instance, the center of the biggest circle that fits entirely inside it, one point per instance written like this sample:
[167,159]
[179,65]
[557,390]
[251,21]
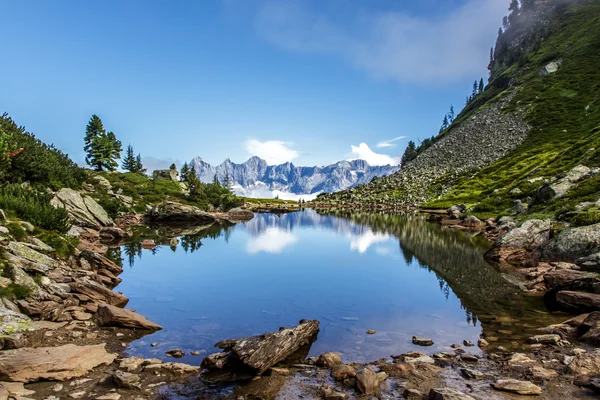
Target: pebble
[154,344]
[175,353]
[468,343]
[421,341]
[195,353]
[370,332]
[58,387]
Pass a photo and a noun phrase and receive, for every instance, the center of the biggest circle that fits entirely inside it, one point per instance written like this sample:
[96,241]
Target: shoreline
[430,367]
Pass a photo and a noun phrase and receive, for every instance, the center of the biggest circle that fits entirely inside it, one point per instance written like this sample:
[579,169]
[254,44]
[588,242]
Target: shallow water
[396,274]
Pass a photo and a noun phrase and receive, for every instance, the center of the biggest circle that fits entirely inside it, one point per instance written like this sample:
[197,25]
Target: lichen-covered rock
[24,251]
[82,210]
[573,243]
[12,322]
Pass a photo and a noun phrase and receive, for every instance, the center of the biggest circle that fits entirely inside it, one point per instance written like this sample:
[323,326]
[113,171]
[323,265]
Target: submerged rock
[421,341]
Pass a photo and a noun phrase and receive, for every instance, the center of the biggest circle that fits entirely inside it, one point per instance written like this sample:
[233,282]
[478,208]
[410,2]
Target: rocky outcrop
[561,186]
[52,363]
[177,213]
[456,152]
[108,315]
[573,243]
[83,210]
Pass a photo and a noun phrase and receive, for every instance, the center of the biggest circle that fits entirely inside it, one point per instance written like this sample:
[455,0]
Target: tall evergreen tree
[227,183]
[173,167]
[183,173]
[445,124]
[481,86]
[409,154]
[216,181]
[451,115]
[102,149]
[475,89]
[129,162]
[139,167]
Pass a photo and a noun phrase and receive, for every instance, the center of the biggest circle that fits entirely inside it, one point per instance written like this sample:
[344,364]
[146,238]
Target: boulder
[108,315]
[421,341]
[551,67]
[516,386]
[23,250]
[52,363]
[562,276]
[448,394]
[367,382]
[98,293]
[573,243]
[587,363]
[561,186]
[126,380]
[12,325]
[83,210]
[239,215]
[177,213]
[580,302]
[341,372]
[102,182]
[329,360]
[533,234]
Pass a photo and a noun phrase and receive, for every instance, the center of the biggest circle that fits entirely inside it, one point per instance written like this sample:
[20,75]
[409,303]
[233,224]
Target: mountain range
[255,178]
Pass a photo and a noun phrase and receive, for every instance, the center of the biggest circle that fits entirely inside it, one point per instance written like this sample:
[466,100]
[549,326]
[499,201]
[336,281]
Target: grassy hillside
[563,110]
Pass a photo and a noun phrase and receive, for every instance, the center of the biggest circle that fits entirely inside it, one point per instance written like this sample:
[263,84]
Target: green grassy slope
[563,110]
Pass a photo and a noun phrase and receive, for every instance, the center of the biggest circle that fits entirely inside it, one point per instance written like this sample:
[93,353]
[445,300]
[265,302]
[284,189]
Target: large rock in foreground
[83,210]
[177,213]
[52,363]
[108,315]
[247,357]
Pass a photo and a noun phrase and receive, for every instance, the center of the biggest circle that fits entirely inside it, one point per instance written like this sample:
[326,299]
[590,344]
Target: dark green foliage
[173,167]
[37,162]
[129,162]
[113,206]
[185,170]
[409,154]
[33,206]
[15,292]
[586,218]
[102,148]
[64,246]
[17,231]
[139,167]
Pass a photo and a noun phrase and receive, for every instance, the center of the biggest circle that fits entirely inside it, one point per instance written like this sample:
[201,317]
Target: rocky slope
[538,118]
[255,175]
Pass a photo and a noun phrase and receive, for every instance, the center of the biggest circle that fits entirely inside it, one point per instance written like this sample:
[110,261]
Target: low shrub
[33,206]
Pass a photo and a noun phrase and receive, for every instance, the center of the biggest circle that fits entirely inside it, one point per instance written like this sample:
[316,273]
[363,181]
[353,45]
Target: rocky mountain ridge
[257,174]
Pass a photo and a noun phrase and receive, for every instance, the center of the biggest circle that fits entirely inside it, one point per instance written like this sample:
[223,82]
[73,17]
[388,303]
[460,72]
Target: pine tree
[492,56]
[475,88]
[102,149]
[227,183]
[445,124]
[93,130]
[481,86]
[185,170]
[505,23]
[514,11]
[139,167]
[216,181]
[451,115]
[409,154]
[173,167]
[129,162]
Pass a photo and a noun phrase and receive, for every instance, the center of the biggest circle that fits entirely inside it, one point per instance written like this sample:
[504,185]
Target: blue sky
[311,81]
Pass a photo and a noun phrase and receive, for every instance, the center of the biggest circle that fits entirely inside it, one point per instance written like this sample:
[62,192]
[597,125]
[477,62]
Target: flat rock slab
[115,316]
[516,386]
[52,363]
[448,394]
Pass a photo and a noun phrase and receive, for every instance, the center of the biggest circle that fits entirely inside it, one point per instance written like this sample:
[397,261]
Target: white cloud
[363,242]
[272,240]
[364,152]
[390,143]
[261,191]
[274,152]
[407,48]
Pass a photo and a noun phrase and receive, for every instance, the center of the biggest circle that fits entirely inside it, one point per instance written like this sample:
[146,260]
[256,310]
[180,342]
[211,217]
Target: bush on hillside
[31,160]
[33,206]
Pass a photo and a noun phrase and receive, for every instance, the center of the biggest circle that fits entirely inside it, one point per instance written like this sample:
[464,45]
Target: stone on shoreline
[108,315]
[516,386]
[329,360]
[52,363]
[448,394]
[367,382]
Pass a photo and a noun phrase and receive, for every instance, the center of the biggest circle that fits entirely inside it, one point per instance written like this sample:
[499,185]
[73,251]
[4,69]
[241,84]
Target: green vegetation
[562,108]
[33,206]
[102,148]
[131,162]
[64,246]
[15,292]
[24,158]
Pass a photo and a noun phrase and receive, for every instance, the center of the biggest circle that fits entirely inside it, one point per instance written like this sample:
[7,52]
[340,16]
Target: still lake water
[396,274]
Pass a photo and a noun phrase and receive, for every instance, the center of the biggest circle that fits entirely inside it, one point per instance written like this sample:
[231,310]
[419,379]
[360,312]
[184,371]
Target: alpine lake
[396,274]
